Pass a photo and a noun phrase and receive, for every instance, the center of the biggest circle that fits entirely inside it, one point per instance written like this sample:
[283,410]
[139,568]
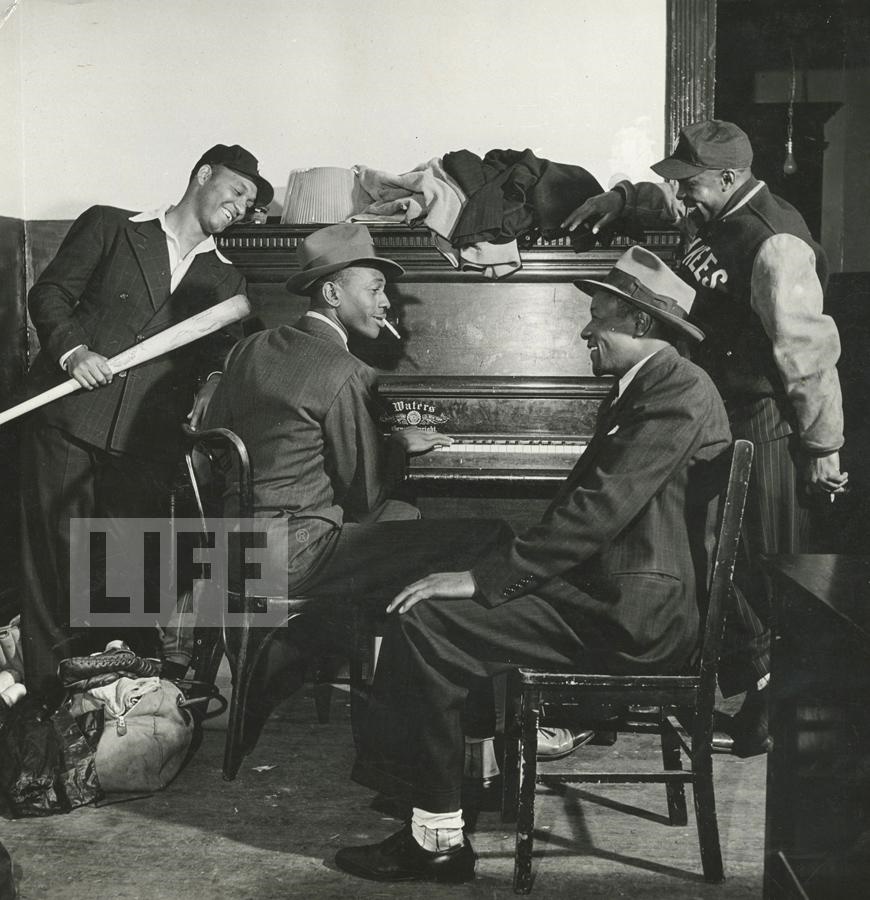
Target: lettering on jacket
[702,262]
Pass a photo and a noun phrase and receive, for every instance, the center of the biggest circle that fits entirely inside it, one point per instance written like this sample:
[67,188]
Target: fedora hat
[644,280]
[242,161]
[336,247]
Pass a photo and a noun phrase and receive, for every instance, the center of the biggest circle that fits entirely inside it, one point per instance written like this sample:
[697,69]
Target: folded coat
[513,194]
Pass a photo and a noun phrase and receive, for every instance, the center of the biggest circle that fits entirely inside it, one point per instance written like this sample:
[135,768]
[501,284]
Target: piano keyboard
[497,458]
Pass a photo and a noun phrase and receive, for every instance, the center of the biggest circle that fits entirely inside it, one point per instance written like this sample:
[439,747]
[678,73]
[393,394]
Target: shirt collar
[316,315]
[741,197]
[204,246]
[627,379]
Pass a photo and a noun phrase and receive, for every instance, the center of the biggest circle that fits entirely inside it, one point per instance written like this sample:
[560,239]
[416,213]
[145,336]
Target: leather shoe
[745,734]
[557,743]
[401,858]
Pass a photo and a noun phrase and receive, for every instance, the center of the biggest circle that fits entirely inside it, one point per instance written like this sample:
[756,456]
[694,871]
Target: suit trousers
[776,520]
[436,661]
[64,478]
[433,673]
[373,561]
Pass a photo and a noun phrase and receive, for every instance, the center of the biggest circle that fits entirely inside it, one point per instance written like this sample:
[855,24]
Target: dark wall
[808,36]
[844,526]
[13,364]
[13,329]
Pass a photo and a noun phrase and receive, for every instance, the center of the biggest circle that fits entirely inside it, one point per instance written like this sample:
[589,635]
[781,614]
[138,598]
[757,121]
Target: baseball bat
[178,335]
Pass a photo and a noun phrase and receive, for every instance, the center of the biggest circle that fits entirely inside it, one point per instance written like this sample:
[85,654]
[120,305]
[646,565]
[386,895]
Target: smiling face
[707,191]
[610,335]
[223,197]
[363,305]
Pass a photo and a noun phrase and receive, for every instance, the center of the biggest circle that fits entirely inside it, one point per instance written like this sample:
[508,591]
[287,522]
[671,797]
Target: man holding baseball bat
[110,449]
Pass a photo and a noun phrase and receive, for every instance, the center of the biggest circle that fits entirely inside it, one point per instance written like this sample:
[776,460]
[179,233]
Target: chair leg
[359,693]
[361,665]
[322,700]
[708,828]
[233,748]
[267,670]
[510,769]
[672,761]
[208,651]
[529,716]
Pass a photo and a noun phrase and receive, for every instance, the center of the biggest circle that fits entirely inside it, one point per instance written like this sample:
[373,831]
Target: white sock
[762,682]
[437,831]
[480,759]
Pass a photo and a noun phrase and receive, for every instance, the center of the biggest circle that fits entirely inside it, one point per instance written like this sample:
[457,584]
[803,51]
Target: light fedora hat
[336,247]
[644,280]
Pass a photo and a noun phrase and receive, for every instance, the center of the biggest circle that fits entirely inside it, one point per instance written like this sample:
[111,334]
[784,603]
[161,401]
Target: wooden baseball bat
[169,339]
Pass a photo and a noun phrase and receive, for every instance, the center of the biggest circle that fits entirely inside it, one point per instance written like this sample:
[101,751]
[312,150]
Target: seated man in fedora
[307,411]
[606,581]
[306,408]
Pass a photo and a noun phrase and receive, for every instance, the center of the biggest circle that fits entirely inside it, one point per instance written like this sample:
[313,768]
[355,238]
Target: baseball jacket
[760,279]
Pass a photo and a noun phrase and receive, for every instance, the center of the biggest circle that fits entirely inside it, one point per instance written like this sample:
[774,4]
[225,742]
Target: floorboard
[272,833]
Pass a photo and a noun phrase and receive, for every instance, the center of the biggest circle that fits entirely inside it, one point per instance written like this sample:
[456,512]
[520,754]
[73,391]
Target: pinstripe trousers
[776,521]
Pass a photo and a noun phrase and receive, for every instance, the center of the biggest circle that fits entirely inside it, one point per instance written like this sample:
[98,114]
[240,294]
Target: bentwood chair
[255,653]
[665,705]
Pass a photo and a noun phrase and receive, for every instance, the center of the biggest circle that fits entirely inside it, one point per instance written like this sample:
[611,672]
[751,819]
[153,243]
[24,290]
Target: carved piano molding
[266,253]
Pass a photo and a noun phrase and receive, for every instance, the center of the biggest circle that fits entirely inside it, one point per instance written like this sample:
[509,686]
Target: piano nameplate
[534,407]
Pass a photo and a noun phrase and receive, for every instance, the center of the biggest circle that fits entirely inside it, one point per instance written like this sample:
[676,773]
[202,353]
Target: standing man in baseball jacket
[110,449]
[770,350]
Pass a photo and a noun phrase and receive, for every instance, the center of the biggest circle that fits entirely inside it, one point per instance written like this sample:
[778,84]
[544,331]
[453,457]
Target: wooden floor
[272,833]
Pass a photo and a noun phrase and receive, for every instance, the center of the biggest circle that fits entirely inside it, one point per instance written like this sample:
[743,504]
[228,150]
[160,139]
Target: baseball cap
[242,161]
[712,144]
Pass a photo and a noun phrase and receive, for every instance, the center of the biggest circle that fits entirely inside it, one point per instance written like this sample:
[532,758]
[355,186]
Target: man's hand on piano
[415,440]
[597,212]
[437,586]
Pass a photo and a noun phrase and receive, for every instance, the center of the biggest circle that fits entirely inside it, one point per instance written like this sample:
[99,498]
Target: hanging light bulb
[789,166]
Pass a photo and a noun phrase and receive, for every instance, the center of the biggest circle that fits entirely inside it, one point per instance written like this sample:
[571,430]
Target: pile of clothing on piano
[480,211]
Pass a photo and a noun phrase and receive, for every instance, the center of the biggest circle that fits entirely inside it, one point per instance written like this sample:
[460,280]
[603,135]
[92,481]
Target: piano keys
[505,430]
[476,457]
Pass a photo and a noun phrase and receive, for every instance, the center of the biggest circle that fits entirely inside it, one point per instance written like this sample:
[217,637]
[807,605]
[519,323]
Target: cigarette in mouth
[392,329]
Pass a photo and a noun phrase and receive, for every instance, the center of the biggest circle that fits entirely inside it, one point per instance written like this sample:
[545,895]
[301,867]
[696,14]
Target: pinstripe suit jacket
[614,551]
[308,412]
[109,287]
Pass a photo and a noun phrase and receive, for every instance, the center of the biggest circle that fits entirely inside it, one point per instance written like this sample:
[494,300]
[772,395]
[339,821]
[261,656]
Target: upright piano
[498,365]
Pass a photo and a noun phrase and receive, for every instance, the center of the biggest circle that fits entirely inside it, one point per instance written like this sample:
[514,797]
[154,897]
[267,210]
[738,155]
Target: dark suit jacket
[613,553]
[307,411]
[108,287]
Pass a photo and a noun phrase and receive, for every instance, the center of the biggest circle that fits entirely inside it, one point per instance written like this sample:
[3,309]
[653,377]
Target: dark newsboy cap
[242,161]
[712,144]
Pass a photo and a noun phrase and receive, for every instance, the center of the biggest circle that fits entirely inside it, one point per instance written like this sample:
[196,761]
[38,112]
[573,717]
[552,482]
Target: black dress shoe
[401,858]
[744,734]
